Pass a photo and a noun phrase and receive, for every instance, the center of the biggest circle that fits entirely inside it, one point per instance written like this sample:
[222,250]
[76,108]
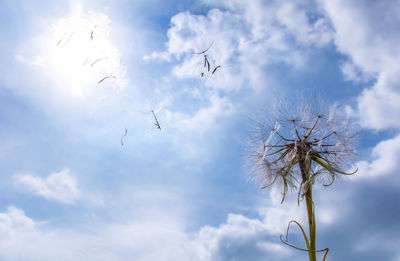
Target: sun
[82,54]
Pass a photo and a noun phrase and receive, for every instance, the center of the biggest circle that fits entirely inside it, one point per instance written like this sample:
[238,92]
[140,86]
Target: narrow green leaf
[330,168]
[285,187]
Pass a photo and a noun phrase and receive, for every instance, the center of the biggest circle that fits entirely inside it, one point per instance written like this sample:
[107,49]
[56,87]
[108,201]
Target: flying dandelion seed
[107,77]
[156,120]
[98,60]
[206,61]
[205,50]
[68,39]
[123,136]
[92,33]
[215,69]
[62,38]
[76,63]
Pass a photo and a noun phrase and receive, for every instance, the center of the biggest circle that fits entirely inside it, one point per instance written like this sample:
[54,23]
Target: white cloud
[384,160]
[163,237]
[240,35]
[59,186]
[379,107]
[14,220]
[368,33]
[151,233]
[243,37]
[240,238]
[298,19]
[23,238]
[164,56]
[187,130]
[206,118]
[295,18]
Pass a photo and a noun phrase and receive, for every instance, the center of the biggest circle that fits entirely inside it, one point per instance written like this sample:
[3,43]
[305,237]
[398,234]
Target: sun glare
[83,57]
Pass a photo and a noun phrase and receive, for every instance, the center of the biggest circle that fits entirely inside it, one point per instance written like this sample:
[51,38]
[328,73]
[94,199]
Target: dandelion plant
[299,148]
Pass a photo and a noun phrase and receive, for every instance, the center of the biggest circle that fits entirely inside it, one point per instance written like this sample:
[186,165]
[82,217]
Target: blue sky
[70,191]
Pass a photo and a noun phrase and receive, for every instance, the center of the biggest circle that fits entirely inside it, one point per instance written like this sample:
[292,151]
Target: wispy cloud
[352,73]
[59,186]
[37,61]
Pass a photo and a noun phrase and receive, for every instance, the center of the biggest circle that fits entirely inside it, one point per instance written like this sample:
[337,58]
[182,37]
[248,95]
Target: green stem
[310,211]
[311,223]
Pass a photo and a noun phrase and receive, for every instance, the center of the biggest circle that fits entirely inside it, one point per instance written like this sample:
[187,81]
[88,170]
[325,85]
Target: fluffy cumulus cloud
[205,116]
[24,238]
[59,186]
[149,239]
[14,221]
[244,238]
[237,34]
[239,238]
[301,20]
[241,39]
[384,160]
[367,32]
[364,216]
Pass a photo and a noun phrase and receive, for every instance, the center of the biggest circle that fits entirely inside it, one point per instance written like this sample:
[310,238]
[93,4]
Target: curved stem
[302,231]
[326,250]
[286,242]
[326,253]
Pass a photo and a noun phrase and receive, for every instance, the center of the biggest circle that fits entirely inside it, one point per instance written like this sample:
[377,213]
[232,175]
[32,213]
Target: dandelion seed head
[320,142]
